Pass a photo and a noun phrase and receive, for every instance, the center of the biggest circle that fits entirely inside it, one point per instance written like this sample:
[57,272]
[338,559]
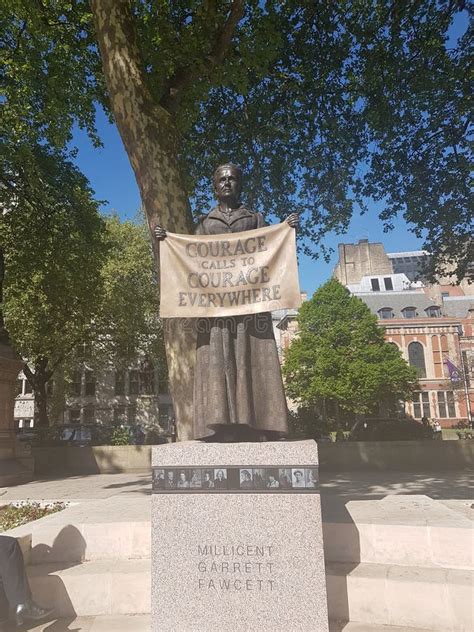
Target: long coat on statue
[237,374]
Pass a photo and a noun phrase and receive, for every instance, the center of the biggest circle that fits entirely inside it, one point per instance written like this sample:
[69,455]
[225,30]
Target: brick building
[432,325]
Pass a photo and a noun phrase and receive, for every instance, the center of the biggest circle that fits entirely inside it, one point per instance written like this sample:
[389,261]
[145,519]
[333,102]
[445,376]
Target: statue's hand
[293,220]
[159,232]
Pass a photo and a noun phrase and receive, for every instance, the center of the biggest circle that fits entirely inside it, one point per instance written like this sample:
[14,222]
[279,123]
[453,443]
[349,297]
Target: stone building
[283,334]
[111,397]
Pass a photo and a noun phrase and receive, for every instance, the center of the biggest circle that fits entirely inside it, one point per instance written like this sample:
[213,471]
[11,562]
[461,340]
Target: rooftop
[411,253]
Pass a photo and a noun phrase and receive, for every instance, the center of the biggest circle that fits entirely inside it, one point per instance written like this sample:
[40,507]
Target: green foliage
[340,356]
[12,516]
[127,323]
[120,436]
[307,423]
[52,238]
[74,281]
[326,104]
[51,71]
[154,436]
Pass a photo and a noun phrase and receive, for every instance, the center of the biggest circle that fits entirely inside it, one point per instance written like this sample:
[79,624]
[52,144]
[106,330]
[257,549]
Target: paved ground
[407,499]
[354,485]
[141,623]
[92,487]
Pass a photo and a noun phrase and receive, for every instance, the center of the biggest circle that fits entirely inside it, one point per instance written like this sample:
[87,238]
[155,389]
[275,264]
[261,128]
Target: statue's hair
[228,165]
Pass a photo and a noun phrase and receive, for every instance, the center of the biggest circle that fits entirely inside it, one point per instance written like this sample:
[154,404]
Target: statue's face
[228,185]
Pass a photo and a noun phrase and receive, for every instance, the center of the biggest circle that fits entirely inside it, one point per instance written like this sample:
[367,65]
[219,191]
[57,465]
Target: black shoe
[31,612]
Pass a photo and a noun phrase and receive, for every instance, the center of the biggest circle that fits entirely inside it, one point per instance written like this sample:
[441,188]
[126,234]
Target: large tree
[53,247]
[326,104]
[126,323]
[340,356]
[78,287]
[125,327]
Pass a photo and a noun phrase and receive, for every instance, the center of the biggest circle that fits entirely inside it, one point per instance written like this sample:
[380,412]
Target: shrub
[120,436]
[12,516]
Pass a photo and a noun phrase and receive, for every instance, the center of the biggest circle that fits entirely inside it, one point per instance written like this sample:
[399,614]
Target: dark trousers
[14,587]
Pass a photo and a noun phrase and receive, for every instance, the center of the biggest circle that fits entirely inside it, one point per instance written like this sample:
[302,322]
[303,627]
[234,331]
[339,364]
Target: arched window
[385,313]
[433,311]
[409,312]
[416,358]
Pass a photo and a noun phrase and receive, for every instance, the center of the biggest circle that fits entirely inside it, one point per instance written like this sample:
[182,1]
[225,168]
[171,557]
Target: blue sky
[112,179]
[111,176]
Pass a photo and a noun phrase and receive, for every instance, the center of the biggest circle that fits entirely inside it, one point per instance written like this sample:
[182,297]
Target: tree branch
[183,77]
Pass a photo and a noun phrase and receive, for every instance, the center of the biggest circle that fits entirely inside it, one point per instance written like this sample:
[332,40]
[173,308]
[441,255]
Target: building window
[120,382]
[19,387]
[416,358]
[75,385]
[444,354]
[388,283]
[89,414]
[451,405]
[147,378]
[468,363]
[385,313]
[421,405]
[133,382]
[119,415]
[375,285]
[433,311]
[409,312]
[446,407]
[90,383]
[74,415]
[166,416]
[132,414]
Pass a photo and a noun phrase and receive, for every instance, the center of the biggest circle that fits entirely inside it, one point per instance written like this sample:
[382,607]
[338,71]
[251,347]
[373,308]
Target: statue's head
[227,182]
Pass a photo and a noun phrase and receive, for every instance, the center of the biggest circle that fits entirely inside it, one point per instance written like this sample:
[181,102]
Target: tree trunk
[324,411]
[3,332]
[41,404]
[152,143]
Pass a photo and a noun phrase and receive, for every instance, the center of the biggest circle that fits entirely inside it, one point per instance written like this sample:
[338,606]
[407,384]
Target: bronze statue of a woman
[238,388]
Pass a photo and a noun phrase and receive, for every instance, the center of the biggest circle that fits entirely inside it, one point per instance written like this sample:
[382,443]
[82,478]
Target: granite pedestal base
[237,539]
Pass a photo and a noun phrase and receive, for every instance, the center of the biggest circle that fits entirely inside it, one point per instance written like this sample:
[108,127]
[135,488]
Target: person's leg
[4,605]
[14,583]
[12,572]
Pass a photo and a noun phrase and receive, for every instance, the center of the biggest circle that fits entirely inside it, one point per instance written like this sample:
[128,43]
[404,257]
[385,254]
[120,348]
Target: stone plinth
[14,468]
[240,550]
